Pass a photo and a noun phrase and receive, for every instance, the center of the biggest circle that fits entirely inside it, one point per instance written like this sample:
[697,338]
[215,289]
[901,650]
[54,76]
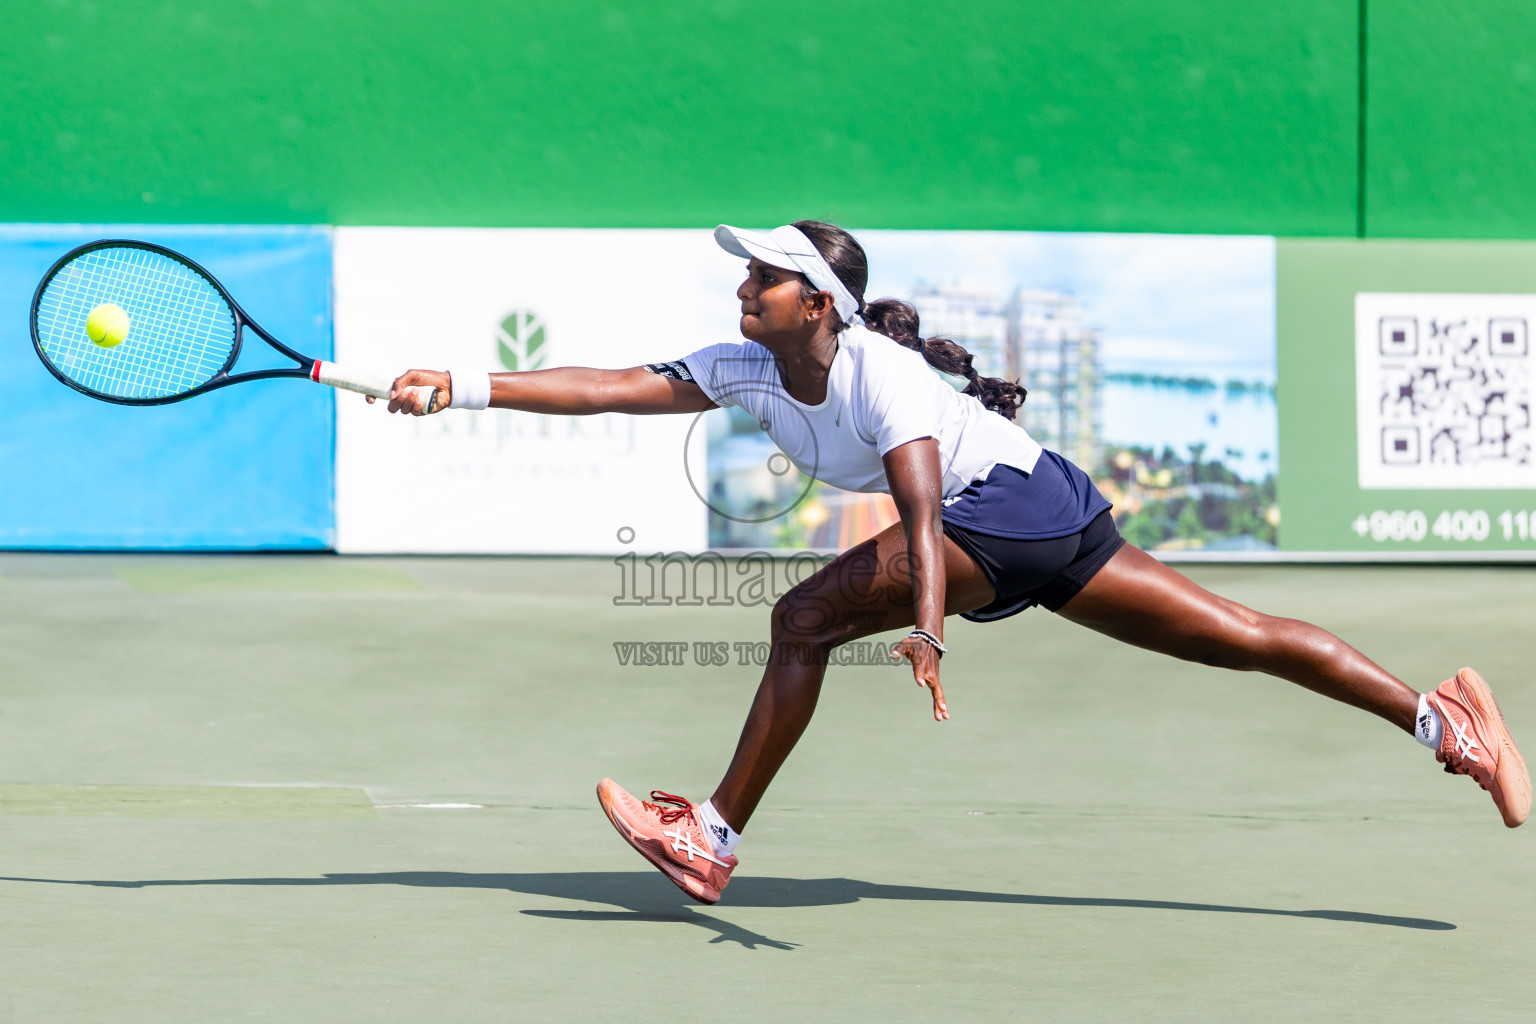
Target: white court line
[450,807]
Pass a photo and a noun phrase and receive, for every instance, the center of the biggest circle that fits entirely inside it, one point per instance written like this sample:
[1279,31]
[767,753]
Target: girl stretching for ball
[991,524]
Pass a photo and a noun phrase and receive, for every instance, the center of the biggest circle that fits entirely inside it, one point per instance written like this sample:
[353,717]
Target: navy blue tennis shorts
[1039,537]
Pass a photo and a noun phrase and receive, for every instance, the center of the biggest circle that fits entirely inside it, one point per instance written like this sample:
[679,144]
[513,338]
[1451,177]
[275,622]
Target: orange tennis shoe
[667,832]
[1476,742]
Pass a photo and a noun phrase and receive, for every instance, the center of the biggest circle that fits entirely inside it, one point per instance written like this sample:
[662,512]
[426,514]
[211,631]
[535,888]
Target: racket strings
[181,329]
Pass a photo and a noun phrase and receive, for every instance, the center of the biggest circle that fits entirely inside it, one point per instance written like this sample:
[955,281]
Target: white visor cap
[788,249]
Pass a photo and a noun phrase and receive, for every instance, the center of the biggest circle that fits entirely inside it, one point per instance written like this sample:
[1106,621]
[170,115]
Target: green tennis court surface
[350,789]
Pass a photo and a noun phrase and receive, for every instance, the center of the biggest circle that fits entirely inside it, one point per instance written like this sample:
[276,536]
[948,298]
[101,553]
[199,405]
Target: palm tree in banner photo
[520,340]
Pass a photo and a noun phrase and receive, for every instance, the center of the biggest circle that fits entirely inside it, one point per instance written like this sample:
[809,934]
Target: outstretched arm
[566,391]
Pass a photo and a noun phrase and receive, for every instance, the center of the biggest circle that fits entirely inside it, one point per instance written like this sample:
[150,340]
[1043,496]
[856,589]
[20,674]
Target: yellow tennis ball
[107,325]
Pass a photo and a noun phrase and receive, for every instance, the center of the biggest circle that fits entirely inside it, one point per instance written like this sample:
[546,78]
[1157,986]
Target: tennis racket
[171,330]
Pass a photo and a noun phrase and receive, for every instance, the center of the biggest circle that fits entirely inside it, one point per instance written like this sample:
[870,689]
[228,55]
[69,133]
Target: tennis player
[991,524]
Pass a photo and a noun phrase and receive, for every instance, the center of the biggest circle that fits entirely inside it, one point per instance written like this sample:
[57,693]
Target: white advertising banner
[495,300]
[1150,361]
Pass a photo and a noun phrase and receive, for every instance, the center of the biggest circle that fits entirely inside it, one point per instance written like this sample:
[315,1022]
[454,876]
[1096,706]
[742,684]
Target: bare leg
[1134,598]
[866,590]
[1137,599]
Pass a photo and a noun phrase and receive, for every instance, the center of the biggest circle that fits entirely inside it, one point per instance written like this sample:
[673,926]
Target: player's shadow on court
[647,896]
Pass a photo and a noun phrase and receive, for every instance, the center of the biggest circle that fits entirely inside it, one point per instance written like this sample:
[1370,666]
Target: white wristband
[470,390]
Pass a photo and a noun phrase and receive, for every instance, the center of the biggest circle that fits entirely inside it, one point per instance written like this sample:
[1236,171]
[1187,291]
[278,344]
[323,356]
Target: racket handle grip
[367,382]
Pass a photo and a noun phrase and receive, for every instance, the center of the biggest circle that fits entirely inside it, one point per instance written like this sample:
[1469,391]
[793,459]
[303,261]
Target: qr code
[1443,390]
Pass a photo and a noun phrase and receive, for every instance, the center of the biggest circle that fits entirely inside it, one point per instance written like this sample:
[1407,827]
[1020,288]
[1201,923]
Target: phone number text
[1460,525]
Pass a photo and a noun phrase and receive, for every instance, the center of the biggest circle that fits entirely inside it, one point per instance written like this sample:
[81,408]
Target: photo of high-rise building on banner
[1149,361]
[1034,335]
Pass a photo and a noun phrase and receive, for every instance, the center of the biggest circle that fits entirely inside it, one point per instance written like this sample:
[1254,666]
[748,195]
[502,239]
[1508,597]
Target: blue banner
[245,467]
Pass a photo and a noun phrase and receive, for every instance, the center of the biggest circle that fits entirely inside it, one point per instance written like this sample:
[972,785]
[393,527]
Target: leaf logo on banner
[520,340]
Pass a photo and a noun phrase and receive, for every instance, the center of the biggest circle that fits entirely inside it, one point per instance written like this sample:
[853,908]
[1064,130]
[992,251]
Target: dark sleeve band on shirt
[676,370]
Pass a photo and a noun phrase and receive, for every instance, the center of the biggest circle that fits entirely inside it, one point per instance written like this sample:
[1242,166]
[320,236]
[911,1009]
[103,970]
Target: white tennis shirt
[880,395]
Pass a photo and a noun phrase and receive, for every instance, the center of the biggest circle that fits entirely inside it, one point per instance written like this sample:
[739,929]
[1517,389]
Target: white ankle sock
[721,836]
[1427,727]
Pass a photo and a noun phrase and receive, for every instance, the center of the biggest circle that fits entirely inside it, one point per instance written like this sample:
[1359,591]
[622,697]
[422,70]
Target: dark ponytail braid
[899,321]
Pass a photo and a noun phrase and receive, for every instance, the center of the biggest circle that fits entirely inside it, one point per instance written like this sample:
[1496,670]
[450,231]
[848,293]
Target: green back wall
[1181,115]
[1111,114]
[1450,110]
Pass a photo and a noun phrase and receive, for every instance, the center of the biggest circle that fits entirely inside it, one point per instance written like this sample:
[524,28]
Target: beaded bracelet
[929,639]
